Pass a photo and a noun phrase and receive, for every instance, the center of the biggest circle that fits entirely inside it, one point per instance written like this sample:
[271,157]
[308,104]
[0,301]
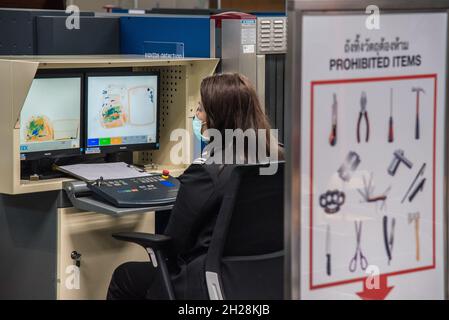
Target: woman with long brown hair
[228,103]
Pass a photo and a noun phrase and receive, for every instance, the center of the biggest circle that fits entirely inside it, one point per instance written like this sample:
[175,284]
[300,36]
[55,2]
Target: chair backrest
[245,258]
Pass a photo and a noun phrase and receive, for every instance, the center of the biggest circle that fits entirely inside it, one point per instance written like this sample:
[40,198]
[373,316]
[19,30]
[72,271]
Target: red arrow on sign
[379,292]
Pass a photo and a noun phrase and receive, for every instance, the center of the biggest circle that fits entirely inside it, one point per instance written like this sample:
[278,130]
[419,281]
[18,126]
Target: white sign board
[372,156]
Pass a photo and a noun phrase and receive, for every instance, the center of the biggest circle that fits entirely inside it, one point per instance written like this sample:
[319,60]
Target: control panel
[153,190]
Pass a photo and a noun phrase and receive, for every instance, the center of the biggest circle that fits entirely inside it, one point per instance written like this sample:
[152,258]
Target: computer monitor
[50,119]
[122,111]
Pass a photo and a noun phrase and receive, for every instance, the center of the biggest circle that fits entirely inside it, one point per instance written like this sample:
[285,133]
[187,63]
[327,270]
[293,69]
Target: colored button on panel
[118,140]
[167,184]
[93,142]
[105,141]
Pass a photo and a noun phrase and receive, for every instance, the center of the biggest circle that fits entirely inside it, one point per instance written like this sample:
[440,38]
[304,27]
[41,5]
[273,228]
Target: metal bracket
[152,257]
[213,286]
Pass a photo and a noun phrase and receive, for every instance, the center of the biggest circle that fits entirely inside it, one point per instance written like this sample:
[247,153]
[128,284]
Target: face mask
[197,126]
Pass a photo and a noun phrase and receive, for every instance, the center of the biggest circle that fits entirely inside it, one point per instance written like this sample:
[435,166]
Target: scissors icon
[358,250]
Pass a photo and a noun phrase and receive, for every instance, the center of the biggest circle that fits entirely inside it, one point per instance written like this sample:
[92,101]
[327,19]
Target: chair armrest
[146,240]
[155,245]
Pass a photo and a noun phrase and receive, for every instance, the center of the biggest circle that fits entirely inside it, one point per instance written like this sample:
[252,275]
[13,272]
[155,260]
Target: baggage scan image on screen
[50,117]
[121,111]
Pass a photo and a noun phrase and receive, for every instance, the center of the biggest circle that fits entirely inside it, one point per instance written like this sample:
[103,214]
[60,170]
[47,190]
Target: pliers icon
[363,113]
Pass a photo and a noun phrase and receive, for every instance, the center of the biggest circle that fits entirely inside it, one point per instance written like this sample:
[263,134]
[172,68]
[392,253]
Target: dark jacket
[191,225]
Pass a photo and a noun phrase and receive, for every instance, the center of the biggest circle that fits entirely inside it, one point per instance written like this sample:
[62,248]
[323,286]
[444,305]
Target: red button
[165,173]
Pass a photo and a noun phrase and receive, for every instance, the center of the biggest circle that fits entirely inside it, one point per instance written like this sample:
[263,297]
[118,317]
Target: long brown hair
[231,102]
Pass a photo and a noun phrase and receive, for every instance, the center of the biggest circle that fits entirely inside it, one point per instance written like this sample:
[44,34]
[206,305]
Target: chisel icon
[417,90]
[390,129]
[419,188]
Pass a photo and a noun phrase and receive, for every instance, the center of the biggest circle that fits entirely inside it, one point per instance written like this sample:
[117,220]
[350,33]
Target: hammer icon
[415,217]
[399,157]
[418,90]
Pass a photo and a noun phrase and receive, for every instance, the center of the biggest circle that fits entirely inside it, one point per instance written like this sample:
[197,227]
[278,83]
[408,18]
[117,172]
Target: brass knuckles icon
[331,201]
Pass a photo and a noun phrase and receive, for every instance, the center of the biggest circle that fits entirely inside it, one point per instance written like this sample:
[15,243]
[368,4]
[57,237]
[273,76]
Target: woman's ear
[202,116]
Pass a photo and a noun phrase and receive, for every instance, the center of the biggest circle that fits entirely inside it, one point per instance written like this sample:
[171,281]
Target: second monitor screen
[122,111]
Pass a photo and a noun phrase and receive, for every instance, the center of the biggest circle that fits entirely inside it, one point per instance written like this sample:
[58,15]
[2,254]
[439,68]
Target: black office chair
[245,258]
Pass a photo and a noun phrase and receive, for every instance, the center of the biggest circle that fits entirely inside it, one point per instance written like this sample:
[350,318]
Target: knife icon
[328,250]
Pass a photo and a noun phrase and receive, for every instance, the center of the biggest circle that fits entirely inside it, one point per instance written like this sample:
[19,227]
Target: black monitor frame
[61,153]
[124,147]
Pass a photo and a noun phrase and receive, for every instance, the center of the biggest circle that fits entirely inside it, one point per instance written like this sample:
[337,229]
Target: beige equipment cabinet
[39,228]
